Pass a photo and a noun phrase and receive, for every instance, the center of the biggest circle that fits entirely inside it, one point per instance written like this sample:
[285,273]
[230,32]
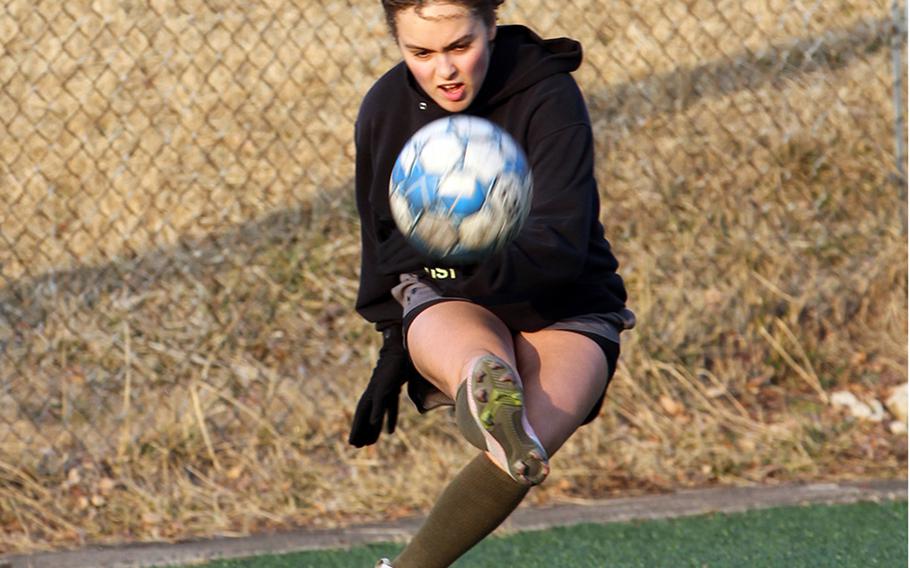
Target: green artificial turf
[861,535]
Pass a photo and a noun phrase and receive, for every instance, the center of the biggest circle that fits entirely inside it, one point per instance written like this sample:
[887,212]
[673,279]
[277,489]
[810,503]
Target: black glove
[392,370]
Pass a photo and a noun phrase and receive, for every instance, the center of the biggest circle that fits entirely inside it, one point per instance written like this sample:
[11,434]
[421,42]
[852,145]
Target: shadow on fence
[623,105]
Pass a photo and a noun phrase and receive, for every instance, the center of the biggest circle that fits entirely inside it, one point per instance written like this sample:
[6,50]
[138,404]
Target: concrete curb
[677,504]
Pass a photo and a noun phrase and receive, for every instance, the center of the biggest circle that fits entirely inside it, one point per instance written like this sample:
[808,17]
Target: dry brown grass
[178,353]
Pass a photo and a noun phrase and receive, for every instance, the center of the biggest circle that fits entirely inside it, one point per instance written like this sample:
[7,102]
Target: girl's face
[447,48]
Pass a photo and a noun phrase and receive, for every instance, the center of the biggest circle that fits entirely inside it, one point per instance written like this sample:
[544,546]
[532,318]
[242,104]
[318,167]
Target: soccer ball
[460,189]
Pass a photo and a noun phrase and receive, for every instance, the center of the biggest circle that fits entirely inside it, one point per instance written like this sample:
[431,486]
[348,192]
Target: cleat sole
[497,405]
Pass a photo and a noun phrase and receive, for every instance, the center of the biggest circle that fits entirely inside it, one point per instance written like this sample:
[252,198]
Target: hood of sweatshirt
[521,59]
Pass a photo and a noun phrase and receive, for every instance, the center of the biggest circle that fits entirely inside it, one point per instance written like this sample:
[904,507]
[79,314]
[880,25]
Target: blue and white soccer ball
[460,189]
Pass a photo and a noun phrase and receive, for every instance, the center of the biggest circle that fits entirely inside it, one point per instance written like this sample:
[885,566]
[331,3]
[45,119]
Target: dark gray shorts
[604,329]
[414,296]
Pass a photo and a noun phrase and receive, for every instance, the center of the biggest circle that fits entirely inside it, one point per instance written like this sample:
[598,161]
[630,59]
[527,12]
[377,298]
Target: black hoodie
[560,265]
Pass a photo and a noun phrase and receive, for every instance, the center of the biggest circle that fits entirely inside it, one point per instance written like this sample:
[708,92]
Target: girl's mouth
[453,91]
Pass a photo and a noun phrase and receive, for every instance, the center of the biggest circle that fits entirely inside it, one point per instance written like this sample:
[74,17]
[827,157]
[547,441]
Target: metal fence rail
[177,242]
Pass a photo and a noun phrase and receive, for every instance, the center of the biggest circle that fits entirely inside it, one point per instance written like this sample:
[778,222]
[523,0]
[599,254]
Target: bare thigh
[564,374]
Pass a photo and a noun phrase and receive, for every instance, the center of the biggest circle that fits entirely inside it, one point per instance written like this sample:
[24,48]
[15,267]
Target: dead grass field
[178,353]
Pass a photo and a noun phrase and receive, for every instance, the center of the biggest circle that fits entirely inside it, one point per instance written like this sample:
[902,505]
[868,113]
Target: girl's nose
[445,67]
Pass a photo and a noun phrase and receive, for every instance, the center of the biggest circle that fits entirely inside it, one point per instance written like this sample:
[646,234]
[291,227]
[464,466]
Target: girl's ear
[491,34]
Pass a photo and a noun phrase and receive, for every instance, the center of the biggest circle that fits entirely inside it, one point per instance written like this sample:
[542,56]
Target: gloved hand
[392,370]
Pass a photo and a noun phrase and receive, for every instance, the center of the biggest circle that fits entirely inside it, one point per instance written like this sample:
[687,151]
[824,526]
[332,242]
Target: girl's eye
[421,54]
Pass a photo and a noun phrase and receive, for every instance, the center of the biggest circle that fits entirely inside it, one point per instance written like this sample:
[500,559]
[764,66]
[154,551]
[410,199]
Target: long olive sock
[476,502]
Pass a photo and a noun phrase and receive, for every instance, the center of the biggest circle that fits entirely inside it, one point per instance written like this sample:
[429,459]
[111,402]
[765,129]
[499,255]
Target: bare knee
[444,338]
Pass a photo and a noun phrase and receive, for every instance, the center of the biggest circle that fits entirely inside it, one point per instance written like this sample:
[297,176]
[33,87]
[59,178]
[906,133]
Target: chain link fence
[178,241]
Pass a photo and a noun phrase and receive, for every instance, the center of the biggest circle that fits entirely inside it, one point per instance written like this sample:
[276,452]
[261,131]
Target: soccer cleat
[383,563]
[489,409]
